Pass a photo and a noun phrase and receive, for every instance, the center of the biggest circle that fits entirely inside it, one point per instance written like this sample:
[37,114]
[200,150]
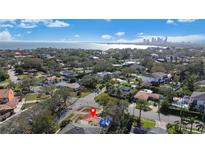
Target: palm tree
[200,126]
[190,121]
[141,105]
[179,124]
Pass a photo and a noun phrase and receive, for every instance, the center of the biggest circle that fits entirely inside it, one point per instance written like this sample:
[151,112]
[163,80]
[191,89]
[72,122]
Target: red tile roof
[4,93]
[5,108]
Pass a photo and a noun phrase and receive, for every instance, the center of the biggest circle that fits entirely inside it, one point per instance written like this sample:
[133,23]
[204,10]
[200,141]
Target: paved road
[164,119]
[80,102]
[89,101]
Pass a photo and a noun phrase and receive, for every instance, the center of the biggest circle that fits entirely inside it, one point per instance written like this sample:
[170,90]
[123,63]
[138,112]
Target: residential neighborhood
[133,91]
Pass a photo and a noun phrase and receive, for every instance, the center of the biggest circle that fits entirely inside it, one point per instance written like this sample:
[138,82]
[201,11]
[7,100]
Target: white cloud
[106,36]
[120,34]
[186,20]
[8,21]
[32,23]
[171,22]
[6,26]
[57,23]
[27,25]
[76,35]
[5,36]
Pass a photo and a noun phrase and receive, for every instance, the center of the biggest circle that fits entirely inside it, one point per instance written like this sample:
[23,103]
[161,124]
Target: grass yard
[24,76]
[27,105]
[84,93]
[4,83]
[148,123]
[34,96]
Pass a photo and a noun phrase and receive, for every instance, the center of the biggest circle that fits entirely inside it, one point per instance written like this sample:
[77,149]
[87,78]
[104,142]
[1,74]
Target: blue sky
[123,30]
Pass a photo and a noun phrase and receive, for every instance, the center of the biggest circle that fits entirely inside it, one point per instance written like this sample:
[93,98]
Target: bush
[64,123]
[171,128]
[176,111]
[148,123]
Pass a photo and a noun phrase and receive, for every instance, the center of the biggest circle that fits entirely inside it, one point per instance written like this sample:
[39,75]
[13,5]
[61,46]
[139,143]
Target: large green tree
[3,75]
[43,123]
[141,105]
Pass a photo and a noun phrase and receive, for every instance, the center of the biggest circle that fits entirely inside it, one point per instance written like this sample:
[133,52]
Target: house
[104,74]
[68,73]
[119,80]
[79,70]
[117,65]
[143,95]
[138,67]
[7,103]
[181,101]
[200,83]
[147,79]
[161,77]
[52,80]
[125,91]
[160,60]
[198,98]
[74,86]
[95,57]
[128,63]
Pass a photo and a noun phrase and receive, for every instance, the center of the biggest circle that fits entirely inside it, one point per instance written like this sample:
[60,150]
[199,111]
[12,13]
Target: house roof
[5,107]
[52,78]
[196,94]
[69,85]
[142,95]
[158,74]
[125,88]
[4,93]
[202,82]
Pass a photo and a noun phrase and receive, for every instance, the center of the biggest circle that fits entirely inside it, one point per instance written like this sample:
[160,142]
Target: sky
[102,30]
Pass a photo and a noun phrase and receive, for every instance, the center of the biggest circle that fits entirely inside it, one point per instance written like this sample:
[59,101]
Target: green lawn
[33,96]
[148,123]
[105,98]
[27,105]
[84,93]
[4,83]
[23,76]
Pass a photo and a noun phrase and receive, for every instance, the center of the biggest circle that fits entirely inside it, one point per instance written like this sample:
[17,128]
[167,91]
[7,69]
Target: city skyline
[103,30]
